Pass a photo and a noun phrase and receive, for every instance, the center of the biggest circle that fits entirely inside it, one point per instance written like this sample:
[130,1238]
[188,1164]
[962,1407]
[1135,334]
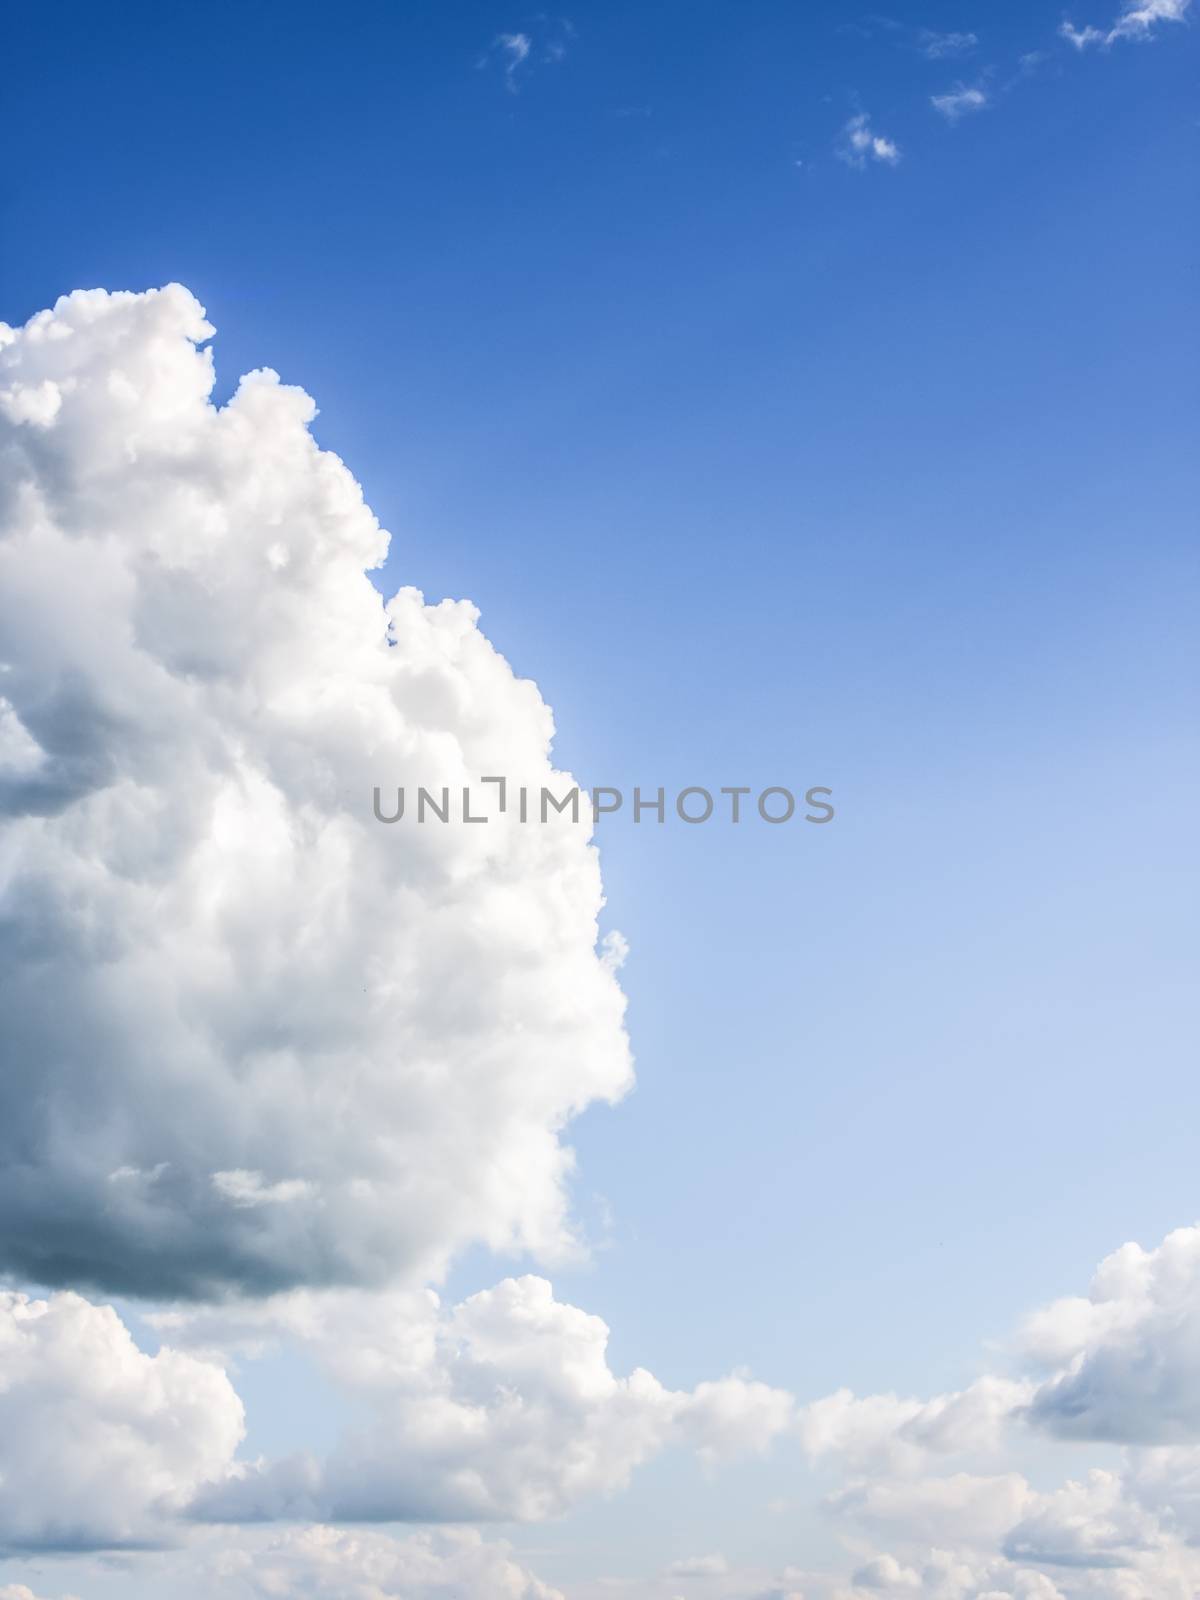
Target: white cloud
[971,1538]
[1089,1524]
[959,101]
[886,1431]
[18,1591]
[514,48]
[518,51]
[505,1406]
[859,144]
[698,1567]
[100,1444]
[944,1575]
[1139,19]
[515,45]
[501,1407]
[1119,1367]
[285,1052]
[263,1044]
[250,1189]
[1081,38]
[945,46]
[313,1047]
[960,1506]
[1128,1353]
[886,1573]
[567,1427]
[309,1562]
[318,1563]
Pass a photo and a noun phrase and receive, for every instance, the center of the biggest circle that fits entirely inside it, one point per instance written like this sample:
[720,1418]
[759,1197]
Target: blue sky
[769,466]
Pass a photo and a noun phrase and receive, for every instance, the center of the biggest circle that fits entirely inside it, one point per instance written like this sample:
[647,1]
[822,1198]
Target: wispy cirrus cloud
[1139,19]
[945,46]
[516,53]
[860,144]
[933,43]
[514,50]
[960,101]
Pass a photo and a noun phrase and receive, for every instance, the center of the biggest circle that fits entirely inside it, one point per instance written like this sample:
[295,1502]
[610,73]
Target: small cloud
[1027,65]
[517,52]
[859,144]
[867,27]
[945,46]
[699,1567]
[247,1190]
[517,46]
[138,1174]
[614,950]
[514,49]
[1139,19]
[1080,37]
[958,102]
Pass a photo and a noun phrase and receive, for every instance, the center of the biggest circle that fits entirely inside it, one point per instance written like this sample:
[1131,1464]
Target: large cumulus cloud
[253,1038]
